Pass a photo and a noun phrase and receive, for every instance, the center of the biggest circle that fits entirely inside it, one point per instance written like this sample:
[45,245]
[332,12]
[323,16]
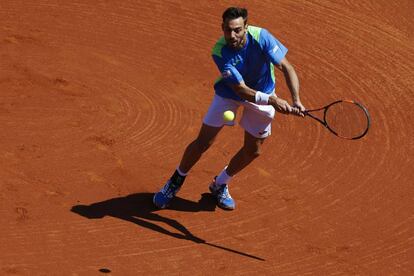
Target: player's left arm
[292,81]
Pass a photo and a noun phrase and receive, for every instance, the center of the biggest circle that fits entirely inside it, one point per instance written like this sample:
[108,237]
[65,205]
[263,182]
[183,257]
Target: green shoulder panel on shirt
[255,32]
[219,45]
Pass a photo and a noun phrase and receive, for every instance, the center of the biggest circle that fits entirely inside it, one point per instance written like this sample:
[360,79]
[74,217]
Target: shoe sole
[226,207]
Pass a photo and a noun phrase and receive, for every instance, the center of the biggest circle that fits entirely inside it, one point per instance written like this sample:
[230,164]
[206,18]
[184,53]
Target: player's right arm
[248,94]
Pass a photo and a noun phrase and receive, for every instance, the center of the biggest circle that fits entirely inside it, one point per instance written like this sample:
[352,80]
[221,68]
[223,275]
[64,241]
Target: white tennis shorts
[255,119]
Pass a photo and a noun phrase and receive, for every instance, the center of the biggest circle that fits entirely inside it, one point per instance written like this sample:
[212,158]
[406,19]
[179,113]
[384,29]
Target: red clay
[98,101]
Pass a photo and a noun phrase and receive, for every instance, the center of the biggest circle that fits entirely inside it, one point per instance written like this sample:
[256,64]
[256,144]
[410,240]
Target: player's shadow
[139,209]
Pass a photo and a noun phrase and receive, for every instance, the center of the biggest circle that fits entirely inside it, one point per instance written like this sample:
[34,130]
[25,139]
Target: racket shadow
[139,209]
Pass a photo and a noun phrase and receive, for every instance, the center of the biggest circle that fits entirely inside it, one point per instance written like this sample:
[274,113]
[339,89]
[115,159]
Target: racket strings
[347,119]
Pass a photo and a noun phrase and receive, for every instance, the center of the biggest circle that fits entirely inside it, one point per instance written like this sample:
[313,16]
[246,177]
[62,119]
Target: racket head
[347,119]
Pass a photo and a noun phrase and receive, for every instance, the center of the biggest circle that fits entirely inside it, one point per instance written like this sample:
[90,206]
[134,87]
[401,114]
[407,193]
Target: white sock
[180,172]
[223,177]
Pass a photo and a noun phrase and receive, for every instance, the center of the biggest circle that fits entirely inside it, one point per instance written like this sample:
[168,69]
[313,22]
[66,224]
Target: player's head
[235,27]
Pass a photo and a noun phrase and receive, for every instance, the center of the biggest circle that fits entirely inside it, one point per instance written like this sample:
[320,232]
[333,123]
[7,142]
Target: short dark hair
[234,13]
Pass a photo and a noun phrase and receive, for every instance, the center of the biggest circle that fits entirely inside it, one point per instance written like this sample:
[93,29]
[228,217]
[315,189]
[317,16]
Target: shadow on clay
[139,209]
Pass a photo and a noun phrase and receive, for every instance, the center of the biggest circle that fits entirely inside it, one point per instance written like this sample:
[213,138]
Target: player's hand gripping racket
[344,118]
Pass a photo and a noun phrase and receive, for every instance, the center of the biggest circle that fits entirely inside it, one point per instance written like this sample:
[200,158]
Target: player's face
[235,32]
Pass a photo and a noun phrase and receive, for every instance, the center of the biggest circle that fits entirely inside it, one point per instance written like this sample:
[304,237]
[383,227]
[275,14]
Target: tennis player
[246,57]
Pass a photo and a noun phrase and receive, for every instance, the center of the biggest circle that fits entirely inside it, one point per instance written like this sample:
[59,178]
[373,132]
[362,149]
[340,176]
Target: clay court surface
[98,102]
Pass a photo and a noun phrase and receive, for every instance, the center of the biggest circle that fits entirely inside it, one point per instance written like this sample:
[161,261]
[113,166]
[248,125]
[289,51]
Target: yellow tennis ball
[228,116]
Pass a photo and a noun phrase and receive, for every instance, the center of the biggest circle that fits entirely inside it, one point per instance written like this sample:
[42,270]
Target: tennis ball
[228,116]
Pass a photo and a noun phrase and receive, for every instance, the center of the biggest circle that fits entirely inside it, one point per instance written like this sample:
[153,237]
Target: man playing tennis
[246,56]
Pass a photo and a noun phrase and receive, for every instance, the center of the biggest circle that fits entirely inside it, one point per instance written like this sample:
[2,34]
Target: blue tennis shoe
[222,195]
[163,198]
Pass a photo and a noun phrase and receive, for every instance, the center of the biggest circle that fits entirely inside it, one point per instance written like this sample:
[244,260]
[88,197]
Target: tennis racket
[345,118]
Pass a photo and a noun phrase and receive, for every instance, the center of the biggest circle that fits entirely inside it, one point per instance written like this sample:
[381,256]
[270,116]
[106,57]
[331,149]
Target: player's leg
[212,124]
[251,150]
[190,157]
[197,147]
[245,156]
[256,122]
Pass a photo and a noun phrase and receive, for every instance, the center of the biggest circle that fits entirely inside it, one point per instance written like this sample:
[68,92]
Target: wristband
[261,98]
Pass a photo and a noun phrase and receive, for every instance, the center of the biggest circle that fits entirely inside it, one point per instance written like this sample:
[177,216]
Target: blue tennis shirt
[252,64]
